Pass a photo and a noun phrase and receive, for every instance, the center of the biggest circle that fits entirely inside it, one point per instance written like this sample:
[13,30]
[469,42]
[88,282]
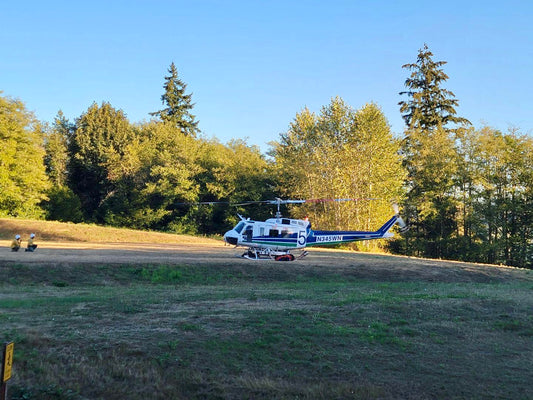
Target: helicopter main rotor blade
[248,203]
[202,203]
[277,201]
[338,200]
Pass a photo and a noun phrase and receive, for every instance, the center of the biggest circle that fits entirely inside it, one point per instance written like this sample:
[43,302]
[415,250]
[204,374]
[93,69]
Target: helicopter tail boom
[322,238]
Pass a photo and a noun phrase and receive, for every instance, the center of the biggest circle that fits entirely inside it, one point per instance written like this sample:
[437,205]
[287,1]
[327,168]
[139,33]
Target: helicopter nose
[231,237]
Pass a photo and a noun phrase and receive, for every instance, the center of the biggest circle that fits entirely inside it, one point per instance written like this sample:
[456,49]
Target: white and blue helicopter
[277,237]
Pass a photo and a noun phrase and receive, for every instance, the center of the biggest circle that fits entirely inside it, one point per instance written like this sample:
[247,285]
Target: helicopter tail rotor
[401,223]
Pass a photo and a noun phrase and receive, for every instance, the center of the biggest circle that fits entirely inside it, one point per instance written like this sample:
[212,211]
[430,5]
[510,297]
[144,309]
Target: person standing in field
[31,245]
[15,244]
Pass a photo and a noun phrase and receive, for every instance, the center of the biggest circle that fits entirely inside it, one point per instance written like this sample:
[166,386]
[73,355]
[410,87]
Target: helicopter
[277,237]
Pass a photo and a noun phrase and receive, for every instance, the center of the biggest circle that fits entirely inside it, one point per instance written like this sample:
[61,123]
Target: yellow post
[7,364]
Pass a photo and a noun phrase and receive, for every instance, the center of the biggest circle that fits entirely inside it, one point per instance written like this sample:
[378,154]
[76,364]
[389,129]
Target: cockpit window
[239,227]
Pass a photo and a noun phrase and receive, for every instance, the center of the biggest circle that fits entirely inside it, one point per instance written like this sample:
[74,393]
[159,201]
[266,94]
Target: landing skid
[268,254]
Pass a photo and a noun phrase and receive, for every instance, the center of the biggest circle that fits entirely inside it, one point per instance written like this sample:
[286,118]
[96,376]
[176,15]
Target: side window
[273,233]
[239,227]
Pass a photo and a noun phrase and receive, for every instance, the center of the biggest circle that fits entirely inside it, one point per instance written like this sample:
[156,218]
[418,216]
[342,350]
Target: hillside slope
[70,232]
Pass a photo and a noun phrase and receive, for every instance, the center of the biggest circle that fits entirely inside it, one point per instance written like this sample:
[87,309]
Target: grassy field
[70,232]
[267,330]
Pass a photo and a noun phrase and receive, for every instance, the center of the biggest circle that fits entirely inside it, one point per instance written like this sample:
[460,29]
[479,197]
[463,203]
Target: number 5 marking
[301,238]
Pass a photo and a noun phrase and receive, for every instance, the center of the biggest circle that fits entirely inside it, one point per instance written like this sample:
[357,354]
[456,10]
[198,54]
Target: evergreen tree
[23,182]
[430,157]
[62,204]
[178,104]
[428,105]
[431,162]
[56,146]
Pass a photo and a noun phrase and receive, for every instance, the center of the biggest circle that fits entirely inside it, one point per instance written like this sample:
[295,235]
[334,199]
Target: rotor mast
[278,213]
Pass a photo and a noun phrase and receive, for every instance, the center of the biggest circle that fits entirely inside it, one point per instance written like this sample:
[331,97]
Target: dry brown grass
[70,232]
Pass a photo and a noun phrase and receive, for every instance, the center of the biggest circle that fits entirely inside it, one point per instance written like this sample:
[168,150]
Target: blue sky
[252,65]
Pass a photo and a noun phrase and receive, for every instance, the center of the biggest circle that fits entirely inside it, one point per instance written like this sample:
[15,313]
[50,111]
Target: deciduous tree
[23,181]
[341,153]
[505,198]
[155,172]
[97,146]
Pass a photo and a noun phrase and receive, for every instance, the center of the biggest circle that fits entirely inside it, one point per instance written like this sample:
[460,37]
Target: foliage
[431,160]
[234,173]
[503,197]
[341,153]
[23,181]
[162,171]
[56,147]
[63,205]
[155,172]
[428,105]
[98,144]
[178,104]
[430,157]
[468,193]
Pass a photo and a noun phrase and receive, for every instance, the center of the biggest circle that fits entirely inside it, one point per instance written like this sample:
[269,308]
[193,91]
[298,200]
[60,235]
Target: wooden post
[7,364]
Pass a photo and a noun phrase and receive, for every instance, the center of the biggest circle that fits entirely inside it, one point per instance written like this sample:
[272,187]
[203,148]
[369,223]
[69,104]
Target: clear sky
[252,65]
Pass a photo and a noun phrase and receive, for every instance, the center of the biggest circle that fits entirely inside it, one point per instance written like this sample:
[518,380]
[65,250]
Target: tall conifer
[430,156]
[429,105]
[178,104]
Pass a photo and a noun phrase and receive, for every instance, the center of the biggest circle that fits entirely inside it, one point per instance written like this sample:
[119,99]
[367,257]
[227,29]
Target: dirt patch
[213,253]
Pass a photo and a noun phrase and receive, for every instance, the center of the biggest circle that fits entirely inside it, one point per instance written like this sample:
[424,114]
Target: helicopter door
[248,233]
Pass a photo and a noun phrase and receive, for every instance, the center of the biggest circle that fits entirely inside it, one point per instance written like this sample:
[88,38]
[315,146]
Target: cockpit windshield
[239,227]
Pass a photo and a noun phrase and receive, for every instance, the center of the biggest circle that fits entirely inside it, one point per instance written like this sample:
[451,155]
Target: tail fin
[386,227]
[390,223]
[401,223]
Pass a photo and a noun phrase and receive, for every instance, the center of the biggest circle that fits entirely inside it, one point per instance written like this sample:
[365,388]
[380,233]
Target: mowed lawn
[332,326]
[263,332]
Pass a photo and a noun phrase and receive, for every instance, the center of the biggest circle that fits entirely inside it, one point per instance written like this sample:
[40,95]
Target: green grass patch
[185,332]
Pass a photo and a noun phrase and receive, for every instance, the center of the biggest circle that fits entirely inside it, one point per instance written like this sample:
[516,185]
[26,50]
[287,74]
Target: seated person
[15,244]
[31,246]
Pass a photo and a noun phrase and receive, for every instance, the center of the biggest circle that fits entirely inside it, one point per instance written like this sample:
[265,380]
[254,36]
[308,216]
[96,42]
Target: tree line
[466,192]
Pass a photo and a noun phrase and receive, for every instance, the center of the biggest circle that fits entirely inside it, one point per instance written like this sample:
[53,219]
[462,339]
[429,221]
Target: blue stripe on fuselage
[317,238]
